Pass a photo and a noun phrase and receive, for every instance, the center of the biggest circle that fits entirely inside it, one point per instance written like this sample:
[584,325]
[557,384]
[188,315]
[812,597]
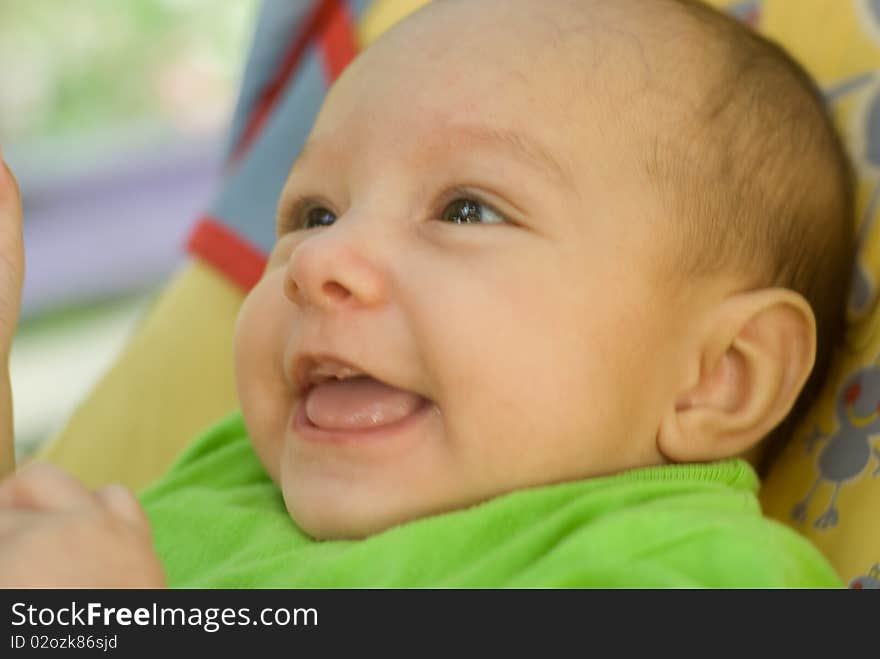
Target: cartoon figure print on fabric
[846,455]
[748,12]
[868,161]
[870,581]
[847,451]
[863,288]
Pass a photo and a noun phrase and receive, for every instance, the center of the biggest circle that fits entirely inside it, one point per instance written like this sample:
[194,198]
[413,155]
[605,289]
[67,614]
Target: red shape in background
[216,244]
[213,242]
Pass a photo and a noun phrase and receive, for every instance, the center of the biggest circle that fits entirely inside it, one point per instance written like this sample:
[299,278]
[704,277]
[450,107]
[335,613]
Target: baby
[544,274]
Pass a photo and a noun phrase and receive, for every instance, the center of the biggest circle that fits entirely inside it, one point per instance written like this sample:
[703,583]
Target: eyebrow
[522,147]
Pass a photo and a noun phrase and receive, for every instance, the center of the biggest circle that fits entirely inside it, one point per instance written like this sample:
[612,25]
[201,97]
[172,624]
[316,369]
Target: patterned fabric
[827,484]
[299,49]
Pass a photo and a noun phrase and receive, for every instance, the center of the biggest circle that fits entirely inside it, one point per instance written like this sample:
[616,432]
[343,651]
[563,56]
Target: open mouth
[308,430]
[340,401]
[358,403]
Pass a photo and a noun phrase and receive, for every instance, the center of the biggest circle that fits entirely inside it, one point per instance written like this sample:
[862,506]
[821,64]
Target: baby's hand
[11,257]
[11,278]
[55,533]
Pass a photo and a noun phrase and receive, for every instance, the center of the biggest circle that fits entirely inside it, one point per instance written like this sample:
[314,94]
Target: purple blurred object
[116,228]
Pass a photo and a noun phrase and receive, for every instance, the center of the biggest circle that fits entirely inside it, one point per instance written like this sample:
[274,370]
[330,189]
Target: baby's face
[466,231]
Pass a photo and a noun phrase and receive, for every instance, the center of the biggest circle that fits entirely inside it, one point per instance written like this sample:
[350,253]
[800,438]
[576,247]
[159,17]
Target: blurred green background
[75,66]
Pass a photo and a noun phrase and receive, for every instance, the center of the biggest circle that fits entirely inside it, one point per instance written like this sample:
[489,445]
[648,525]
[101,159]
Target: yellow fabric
[175,376]
[381,15]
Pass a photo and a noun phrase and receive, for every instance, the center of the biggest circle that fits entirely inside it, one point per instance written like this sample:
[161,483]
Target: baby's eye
[318,217]
[468,211]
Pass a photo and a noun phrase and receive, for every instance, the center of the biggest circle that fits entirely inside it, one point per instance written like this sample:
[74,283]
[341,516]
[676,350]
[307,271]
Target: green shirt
[219,521]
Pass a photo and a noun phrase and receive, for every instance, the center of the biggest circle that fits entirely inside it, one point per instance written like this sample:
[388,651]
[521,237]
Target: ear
[752,358]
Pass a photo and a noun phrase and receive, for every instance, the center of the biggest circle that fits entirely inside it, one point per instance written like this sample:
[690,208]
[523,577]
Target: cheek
[501,348]
[258,354]
[528,362]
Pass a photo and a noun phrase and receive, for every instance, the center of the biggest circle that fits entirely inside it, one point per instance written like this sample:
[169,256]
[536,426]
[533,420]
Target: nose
[331,269]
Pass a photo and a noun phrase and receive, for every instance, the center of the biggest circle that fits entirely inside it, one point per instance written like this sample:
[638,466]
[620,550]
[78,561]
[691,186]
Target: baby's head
[539,242]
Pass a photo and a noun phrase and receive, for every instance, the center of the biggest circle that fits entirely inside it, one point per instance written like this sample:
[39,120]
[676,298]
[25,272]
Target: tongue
[358,403]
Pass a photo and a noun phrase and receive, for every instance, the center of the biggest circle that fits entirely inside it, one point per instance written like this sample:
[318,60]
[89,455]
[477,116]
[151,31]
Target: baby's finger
[43,486]
[11,279]
[10,218]
[123,503]
[11,521]
[7,174]
[8,184]
[7,433]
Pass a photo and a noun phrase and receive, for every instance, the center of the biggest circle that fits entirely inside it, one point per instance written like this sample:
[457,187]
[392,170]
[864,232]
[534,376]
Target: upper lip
[310,369]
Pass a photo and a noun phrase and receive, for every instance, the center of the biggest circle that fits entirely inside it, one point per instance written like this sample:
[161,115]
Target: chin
[333,520]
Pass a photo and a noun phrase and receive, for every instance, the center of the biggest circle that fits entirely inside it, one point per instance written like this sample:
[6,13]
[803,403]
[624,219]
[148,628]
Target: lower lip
[308,431]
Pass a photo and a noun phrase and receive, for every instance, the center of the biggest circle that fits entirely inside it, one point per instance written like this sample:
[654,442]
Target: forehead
[417,71]
[573,97]
[446,84]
